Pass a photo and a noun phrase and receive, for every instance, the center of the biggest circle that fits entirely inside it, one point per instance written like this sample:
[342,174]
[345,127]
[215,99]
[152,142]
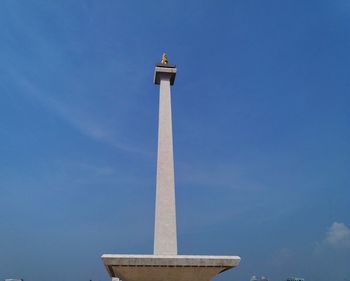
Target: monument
[165,264]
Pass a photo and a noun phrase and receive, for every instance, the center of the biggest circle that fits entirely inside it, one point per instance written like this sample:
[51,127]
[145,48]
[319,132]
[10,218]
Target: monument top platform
[164,70]
[168,65]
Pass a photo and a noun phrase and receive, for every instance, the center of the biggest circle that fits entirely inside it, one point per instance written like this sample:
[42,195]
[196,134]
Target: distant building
[262,278]
[295,279]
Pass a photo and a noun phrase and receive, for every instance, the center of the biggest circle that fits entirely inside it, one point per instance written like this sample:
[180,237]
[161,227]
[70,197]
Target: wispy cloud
[337,238]
[74,116]
[281,257]
[44,52]
[219,175]
[86,173]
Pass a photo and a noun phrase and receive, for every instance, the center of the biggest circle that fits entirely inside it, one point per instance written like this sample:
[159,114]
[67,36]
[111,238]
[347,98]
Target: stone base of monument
[167,268]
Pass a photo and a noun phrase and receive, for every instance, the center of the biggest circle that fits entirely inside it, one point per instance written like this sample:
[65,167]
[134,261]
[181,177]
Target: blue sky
[261,134]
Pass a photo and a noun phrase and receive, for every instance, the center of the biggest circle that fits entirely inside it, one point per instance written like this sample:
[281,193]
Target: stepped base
[167,268]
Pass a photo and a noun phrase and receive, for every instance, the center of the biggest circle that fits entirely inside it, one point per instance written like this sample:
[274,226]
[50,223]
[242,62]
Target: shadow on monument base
[167,268]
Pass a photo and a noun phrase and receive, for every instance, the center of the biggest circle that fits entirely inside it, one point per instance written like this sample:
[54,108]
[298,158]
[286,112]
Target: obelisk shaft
[165,241]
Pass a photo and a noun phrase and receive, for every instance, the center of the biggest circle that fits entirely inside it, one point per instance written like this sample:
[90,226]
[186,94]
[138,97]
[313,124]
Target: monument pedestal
[167,267]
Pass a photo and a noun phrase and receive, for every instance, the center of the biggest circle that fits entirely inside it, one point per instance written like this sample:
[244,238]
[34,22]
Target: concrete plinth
[167,267]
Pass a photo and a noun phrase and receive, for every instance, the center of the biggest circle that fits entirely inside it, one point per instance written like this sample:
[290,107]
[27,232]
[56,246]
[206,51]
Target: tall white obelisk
[165,263]
[165,242]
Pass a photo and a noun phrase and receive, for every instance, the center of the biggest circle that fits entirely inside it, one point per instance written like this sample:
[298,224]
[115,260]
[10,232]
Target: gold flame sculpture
[164,59]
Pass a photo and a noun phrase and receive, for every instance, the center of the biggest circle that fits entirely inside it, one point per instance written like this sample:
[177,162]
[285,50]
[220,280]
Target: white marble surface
[165,241]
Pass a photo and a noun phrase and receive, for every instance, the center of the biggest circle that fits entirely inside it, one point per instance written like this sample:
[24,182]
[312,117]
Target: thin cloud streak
[78,119]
